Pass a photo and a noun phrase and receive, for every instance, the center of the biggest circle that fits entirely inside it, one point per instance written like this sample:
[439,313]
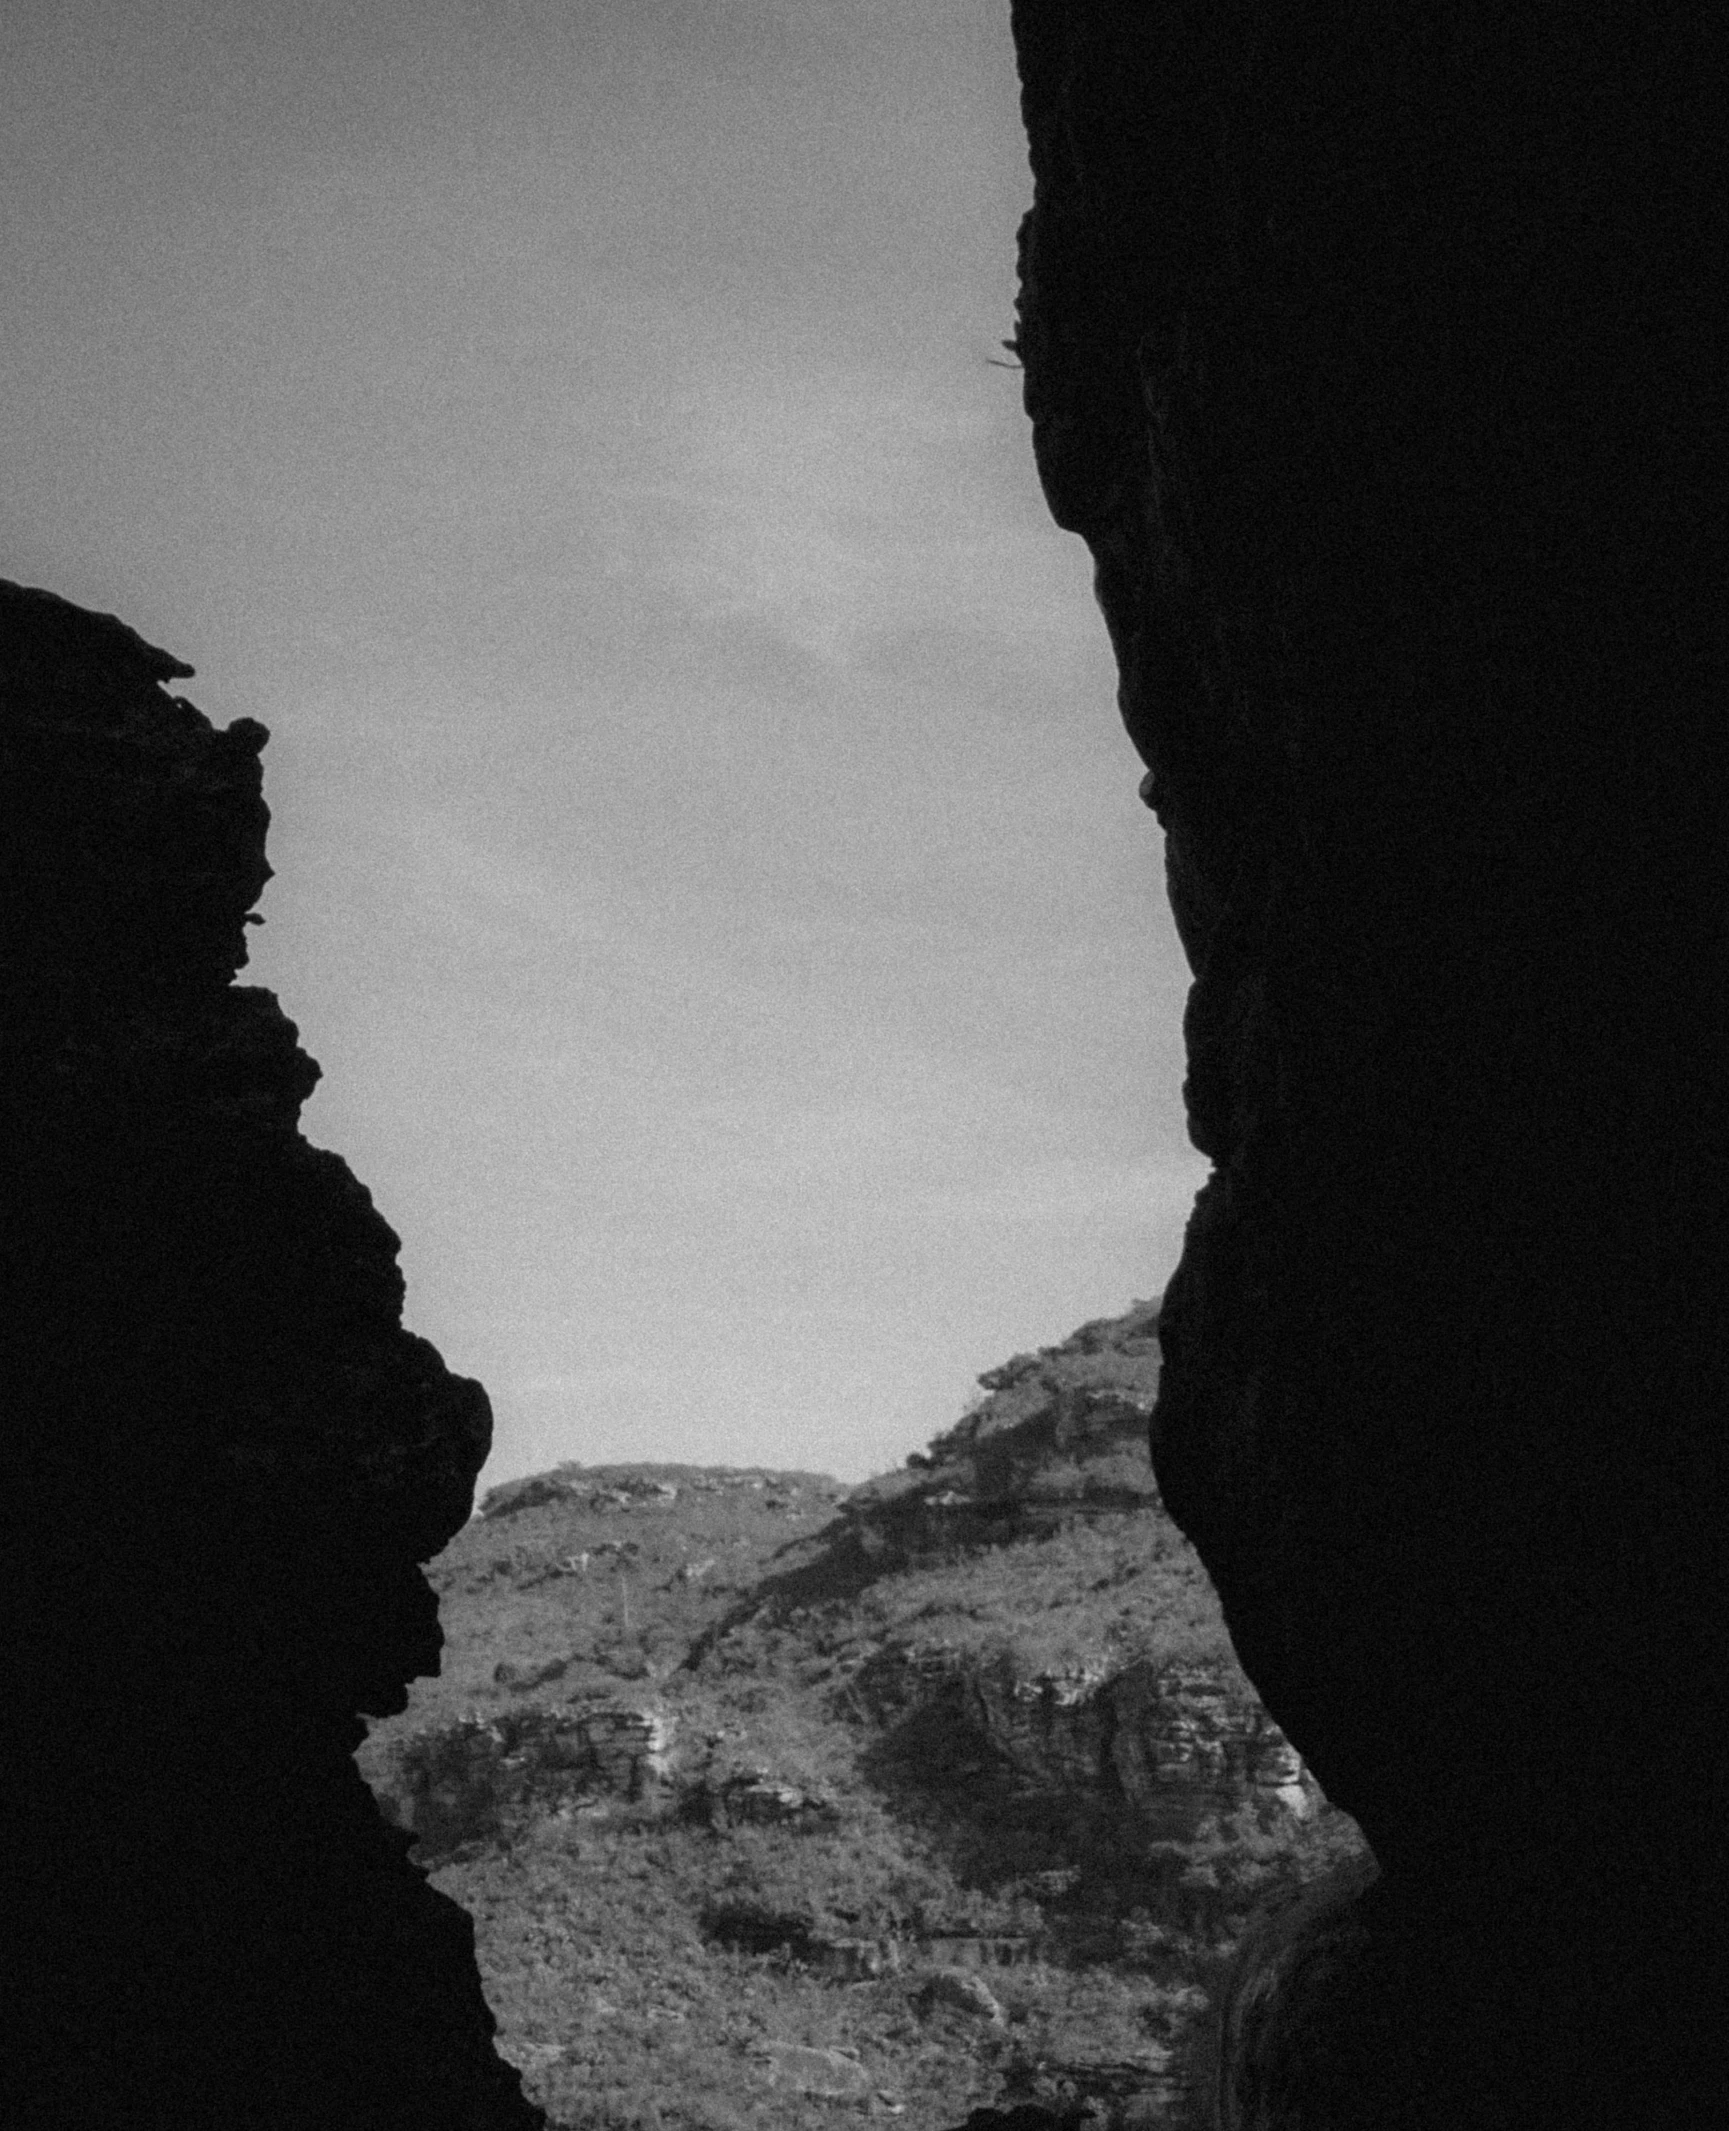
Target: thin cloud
[833,502]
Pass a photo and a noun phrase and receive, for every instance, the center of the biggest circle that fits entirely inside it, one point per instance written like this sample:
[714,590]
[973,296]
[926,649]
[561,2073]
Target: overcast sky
[708,861]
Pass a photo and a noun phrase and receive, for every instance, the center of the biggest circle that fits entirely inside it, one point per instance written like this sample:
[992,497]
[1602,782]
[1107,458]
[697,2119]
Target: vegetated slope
[770,1796]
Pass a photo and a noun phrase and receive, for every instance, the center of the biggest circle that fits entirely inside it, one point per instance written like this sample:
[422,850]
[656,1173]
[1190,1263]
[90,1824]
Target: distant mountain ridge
[618,1485]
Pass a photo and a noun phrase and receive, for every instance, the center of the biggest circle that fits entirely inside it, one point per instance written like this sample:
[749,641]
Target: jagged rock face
[1049,1433]
[476,1779]
[1378,356]
[226,1460]
[1175,1742]
[1180,1728]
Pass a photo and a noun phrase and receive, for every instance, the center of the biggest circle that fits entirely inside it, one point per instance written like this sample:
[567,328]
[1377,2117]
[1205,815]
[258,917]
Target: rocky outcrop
[1167,1774]
[1174,1741]
[226,1460]
[1048,1434]
[1378,357]
[830,2075]
[484,1779]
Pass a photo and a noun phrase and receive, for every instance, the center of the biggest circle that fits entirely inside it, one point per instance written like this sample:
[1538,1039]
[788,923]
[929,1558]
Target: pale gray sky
[709,864]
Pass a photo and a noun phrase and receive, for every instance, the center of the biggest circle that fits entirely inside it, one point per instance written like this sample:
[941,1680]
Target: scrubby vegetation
[771,1798]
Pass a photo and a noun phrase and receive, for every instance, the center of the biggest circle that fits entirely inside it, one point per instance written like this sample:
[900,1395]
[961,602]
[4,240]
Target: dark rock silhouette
[1378,355]
[224,1462]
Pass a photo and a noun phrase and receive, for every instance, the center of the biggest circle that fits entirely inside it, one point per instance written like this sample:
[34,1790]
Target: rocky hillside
[937,1794]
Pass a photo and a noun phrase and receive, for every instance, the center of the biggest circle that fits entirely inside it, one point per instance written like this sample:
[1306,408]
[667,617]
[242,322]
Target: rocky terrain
[938,1794]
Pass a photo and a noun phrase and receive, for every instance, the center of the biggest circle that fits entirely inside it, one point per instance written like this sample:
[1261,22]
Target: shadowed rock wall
[223,1460]
[1378,355]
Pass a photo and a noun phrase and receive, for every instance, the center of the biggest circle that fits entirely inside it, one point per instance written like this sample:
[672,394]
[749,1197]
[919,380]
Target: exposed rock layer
[226,1459]
[1174,1740]
[1378,355]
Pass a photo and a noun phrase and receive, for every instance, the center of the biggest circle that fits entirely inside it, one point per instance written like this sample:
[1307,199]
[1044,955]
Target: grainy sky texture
[708,861]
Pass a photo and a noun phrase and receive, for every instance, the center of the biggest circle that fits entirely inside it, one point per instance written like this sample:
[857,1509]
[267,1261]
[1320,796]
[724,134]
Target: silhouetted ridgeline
[224,1462]
[1379,357]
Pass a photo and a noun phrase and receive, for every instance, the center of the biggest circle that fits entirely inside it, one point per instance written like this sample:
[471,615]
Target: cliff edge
[1378,356]
[225,1460]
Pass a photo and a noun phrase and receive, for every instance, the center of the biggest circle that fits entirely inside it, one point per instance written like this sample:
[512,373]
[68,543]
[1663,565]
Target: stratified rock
[1378,355]
[1174,1743]
[751,1797]
[481,1780]
[225,1460]
[1067,1425]
[1174,1740]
